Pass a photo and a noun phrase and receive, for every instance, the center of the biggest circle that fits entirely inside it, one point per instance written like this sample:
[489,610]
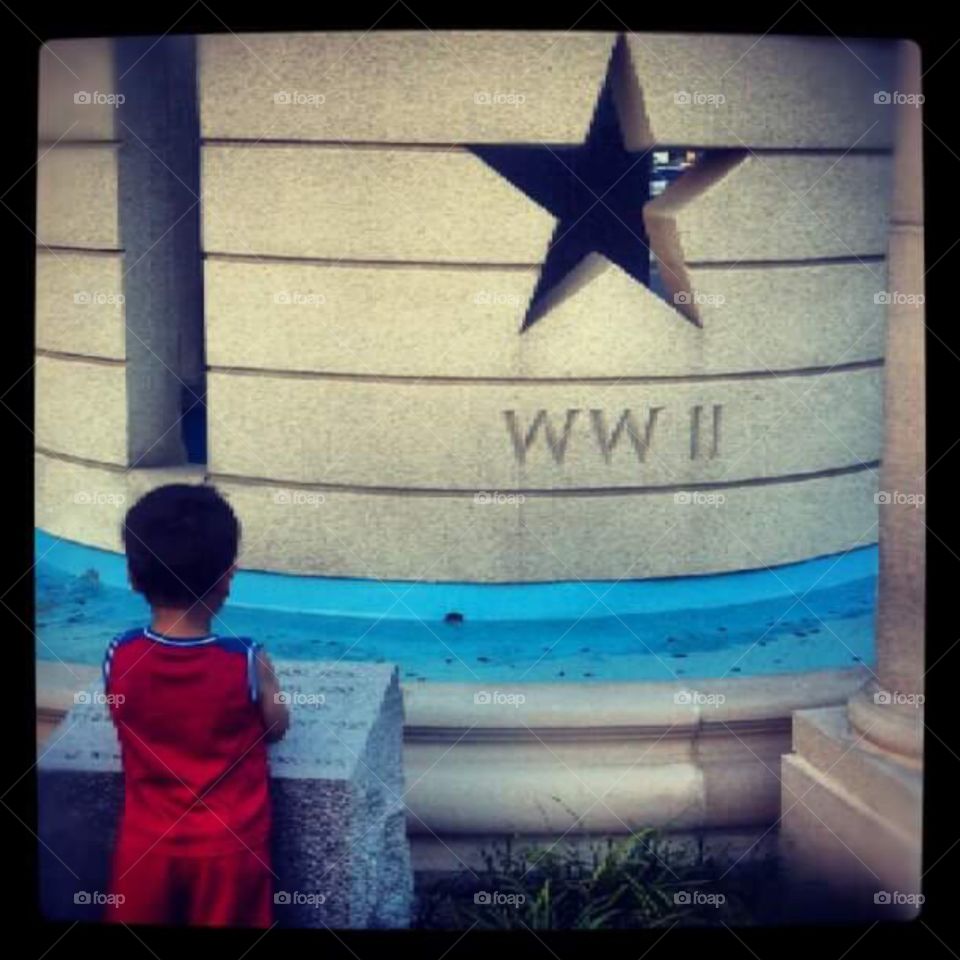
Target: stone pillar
[119,297]
[851,790]
[889,710]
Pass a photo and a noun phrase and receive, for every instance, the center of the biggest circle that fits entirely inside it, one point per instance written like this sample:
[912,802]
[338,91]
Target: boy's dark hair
[180,540]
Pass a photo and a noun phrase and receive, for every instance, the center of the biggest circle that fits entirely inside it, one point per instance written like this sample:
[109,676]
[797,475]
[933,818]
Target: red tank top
[192,741]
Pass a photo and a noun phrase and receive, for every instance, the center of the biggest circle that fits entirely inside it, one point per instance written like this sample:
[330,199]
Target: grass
[637,881]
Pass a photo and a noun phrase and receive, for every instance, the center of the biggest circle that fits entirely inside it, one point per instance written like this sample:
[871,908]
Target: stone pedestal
[851,823]
[340,846]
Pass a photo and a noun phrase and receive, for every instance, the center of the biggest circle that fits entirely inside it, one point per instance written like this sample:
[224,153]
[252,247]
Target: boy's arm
[276,717]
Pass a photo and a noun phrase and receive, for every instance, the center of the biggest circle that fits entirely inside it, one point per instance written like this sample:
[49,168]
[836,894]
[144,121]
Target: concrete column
[159,215]
[851,790]
[888,710]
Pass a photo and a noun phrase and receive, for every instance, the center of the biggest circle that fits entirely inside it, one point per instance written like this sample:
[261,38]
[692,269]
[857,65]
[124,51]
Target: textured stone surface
[403,86]
[338,790]
[58,680]
[459,435]
[777,91]
[86,503]
[446,205]
[68,68]
[907,202]
[145,304]
[741,207]
[425,87]
[580,707]
[454,322]
[782,249]
[839,849]
[144,479]
[741,791]
[162,271]
[528,777]
[548,795]
[336,782]
[80,502]
[82,408]
[475,771]
[826,740]
[852,791]
[77,197]
[396,536]
[430,204]
[901,612]
[80,305]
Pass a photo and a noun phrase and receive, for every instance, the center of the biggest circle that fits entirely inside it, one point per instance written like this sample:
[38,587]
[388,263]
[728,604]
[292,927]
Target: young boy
[194,711]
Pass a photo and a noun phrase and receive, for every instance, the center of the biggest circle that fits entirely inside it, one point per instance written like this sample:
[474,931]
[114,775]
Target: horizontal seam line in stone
[545,492]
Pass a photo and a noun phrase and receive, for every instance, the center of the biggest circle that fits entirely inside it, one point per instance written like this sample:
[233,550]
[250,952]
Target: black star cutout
[596,191]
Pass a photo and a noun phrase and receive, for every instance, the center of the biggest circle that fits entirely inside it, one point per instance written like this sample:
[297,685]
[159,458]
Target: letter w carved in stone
[522,442]
[608,441]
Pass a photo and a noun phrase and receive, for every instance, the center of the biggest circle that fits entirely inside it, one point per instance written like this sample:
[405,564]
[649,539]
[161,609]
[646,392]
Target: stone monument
[341,856]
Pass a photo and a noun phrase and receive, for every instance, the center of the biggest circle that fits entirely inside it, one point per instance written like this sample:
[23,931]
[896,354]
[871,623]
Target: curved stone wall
[374,410]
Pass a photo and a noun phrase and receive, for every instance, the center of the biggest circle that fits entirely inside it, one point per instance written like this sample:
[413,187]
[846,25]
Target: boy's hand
[276,717]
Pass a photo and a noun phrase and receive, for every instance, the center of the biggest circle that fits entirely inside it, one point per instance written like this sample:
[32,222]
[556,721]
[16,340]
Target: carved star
[596,191]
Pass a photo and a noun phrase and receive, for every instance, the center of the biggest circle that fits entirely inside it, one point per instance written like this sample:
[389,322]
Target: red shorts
[151,886]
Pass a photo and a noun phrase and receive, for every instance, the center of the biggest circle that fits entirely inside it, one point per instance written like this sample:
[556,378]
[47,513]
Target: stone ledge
[839,853]
[825,740]
[850,832]
[476,770]
[636,706]
[336,783]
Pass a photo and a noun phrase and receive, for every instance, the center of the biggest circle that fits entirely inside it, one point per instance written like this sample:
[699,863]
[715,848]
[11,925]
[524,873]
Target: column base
[888,722]
[850,832]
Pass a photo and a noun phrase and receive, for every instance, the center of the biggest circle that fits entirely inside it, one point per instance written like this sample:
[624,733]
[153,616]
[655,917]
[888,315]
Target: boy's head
[181,543]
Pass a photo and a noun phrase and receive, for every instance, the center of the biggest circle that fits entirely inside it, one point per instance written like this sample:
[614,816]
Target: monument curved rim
[540,601]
